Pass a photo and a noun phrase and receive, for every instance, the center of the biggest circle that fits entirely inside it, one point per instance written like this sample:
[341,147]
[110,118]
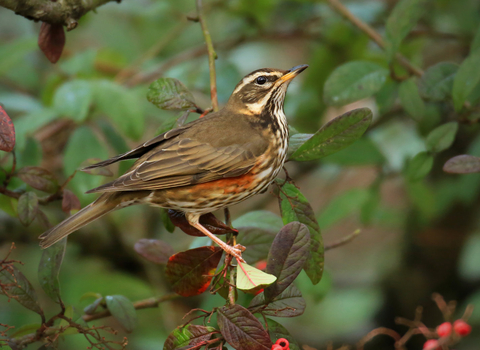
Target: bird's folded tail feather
[86,215]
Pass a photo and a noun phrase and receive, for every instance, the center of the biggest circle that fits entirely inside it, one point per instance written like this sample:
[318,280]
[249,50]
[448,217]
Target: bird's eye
[261,80]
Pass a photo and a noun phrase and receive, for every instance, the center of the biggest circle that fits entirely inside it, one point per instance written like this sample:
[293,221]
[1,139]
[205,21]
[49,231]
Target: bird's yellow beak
[292,73]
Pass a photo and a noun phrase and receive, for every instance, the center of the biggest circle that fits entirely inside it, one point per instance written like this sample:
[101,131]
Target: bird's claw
[236,251]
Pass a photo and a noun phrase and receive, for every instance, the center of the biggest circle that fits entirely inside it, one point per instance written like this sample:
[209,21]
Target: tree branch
[211,57]
[373,34]
[66,12]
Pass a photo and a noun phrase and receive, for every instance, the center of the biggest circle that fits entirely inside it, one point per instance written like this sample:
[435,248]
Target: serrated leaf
[288,254]
[191,272]
[295,207]
[123,310]
[251,279]
[241,329]
[122,106]
[437,82]
[411,100]
[289,303]
[353,81]
[189,335]
[167,223]
[51,40]
[442,137]
[336,135]
[39,178]
[19,288]
[49,268]
[7,132]
[462,164]
[401,21]
[27,208]
[419,166]
[154,250]
[277,331]
[466,79]
[170,94]
[73,99]
[70,202]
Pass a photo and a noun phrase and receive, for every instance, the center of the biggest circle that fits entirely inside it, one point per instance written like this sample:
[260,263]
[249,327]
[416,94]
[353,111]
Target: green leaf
[419,166]
[287,256]
[475,45]
[170,94]
[353,81]
[15,52]
[73,99]
[257,242]
[251,279]
[154,250]
[442,137]
[295,207]
[16,286]
[277,331]
[362,152]
[336,135]
[191,272]
[463,164]
[29,123]
[27,208]
[437,82]
[25,329]
[295,142]
[49,268]
[401,21]
[466,79]
[289,303]
[241,329]
[187,336]
[167,223]
[39,178]
[122,106]
[411,100]
[262,219]
[342,206]
[123,310]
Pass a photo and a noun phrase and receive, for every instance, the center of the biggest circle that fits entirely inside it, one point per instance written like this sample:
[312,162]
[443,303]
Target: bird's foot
[236,251]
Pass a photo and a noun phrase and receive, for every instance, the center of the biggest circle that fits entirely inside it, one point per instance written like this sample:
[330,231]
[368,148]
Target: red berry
[444,329]
[276,347]
[462,328]
[431,344]
[283,343]
[261,265]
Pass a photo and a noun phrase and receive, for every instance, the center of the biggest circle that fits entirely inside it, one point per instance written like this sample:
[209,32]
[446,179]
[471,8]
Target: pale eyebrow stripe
[250,78]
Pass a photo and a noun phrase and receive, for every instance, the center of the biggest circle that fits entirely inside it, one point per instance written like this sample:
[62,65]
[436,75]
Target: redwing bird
[210,163]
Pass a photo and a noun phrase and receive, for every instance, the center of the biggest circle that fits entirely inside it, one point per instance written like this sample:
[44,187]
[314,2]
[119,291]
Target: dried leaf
[191,272]
[123,310]
[189,335]
[39,178]
[27,208]
[51,41]
[241,329]
[19,288]
[7,132]
[49,268]
[154,250]
[288,254]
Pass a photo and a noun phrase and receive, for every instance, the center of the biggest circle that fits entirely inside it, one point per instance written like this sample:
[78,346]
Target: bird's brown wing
[184,161]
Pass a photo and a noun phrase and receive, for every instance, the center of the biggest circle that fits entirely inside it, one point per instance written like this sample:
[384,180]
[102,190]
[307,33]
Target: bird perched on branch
[208,164]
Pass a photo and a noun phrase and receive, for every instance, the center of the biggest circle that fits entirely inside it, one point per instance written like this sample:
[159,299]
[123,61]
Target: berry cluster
[460,328]
[281,344]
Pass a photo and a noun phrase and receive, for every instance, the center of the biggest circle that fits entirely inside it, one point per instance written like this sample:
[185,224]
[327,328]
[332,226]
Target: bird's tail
[86,215]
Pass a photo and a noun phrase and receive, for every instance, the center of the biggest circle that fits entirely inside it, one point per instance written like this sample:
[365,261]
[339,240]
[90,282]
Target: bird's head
[262,89]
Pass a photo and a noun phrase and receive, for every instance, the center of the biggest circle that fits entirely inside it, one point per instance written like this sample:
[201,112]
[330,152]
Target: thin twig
[141,304]
[373,34]
[343,240]
[211,56]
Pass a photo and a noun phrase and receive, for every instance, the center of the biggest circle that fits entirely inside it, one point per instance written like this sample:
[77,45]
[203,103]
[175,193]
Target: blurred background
[417,237]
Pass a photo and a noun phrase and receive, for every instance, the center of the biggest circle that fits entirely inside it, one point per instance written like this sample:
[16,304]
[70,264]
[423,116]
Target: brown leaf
[51,41]
[70,202]
[39,178]
[209,221]
[7,132]
[462,164]
[154,250]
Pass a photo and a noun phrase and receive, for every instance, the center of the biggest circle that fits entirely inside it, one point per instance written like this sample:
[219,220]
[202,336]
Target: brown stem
[373,34]
[342,241]
[211,56]
[141,304]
